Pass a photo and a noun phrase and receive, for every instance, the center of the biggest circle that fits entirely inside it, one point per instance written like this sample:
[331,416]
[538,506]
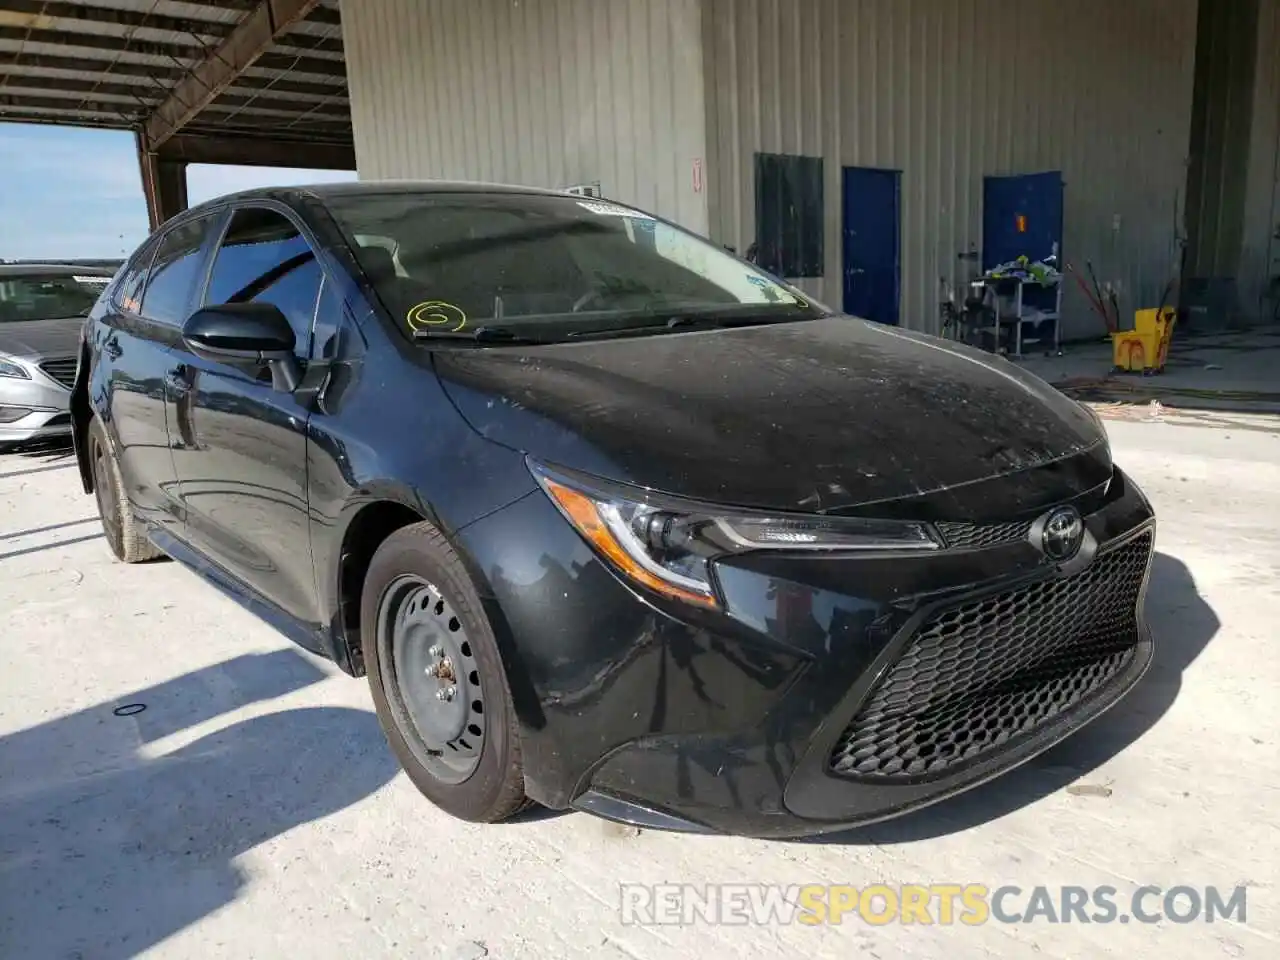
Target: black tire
[124,535]
[416,576]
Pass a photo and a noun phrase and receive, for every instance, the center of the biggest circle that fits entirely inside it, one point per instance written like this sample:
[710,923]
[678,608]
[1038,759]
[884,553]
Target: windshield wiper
[481,334]
[681,322]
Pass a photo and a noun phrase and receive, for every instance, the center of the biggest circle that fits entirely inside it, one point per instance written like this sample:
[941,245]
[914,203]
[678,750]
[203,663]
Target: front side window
[48,296]
[263,258]
[560,265]
[174,272]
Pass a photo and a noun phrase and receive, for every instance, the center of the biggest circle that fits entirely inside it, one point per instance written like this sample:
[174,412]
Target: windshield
[48,296]
[548,265]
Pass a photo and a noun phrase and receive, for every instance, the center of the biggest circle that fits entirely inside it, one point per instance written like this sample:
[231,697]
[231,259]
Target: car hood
[39,339]
[815,415]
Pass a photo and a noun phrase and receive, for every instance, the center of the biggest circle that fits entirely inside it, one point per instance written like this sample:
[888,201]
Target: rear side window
[263,258]
[174,272]
[128,292]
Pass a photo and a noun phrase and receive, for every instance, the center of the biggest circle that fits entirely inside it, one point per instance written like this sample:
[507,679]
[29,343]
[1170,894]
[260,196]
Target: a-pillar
[164,182]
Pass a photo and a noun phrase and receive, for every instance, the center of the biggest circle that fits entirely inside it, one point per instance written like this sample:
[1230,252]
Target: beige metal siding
[949,91]
[540,92]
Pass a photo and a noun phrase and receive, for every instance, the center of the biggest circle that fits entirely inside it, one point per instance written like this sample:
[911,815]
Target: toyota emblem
[1062,534]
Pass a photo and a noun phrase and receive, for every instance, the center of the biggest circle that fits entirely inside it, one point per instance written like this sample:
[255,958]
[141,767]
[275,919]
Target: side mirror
[246,334]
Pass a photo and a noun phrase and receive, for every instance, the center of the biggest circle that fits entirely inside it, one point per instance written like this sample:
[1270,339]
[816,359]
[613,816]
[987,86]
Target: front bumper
[34,409]
[834,693]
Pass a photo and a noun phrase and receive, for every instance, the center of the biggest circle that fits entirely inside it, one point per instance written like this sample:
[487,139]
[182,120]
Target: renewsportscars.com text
[937,903]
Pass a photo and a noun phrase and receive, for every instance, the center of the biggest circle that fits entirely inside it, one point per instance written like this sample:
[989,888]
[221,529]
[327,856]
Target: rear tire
[125,536]
[437,679]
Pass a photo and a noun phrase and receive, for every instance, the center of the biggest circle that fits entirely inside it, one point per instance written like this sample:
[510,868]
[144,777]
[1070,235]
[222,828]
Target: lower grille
[63,370]
[976,676]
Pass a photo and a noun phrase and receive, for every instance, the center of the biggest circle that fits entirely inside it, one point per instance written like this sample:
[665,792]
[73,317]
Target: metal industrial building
[668,103]
[871,130]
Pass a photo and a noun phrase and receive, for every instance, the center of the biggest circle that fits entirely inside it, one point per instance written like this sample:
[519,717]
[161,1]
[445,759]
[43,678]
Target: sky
[70,192]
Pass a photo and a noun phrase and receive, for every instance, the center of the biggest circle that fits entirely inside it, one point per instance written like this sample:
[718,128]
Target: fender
[342,550]
[84,408]
[81,414]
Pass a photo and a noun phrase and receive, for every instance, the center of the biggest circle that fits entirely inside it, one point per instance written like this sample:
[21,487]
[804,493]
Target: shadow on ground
[105,852]
[40,458]
[1182,623]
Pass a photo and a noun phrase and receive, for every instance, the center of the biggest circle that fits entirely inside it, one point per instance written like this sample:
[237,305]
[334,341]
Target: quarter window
[263,258]
[174,272]
[128,293]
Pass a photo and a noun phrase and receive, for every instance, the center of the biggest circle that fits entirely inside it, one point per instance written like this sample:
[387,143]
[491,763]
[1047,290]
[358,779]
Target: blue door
[872,243]
[1021,216]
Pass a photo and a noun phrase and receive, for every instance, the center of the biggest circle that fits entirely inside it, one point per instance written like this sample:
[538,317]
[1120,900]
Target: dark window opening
[789,215]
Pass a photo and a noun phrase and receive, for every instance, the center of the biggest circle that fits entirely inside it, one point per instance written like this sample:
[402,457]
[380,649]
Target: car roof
[323,191]
[54,270]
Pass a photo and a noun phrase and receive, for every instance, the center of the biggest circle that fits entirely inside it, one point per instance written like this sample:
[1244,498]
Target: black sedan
[611,519]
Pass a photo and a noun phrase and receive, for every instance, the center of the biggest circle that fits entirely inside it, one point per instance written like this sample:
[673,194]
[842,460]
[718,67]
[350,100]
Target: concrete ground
[1227,370]
[177,781]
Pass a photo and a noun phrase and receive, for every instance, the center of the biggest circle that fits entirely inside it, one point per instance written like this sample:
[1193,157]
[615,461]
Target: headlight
[667,545]
[10,369]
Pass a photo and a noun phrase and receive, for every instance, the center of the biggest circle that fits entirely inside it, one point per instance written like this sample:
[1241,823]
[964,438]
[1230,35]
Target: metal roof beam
[15,61]
[99,41]
[125,46]
[39,10]
[331,105]
[321,14]
[260,28]
[15,64]
[259,152]
[119,111]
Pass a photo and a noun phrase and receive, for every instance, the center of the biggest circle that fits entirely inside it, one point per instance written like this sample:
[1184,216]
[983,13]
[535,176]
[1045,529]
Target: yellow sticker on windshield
[436,315]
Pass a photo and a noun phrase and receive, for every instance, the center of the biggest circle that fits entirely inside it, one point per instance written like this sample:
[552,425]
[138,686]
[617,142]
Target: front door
[872,243]
[239,445]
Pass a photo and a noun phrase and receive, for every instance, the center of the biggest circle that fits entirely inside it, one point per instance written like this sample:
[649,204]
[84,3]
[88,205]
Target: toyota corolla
[610,519]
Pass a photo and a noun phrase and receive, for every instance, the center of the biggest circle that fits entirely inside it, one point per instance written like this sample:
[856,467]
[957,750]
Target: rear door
[239,445]
[130,383]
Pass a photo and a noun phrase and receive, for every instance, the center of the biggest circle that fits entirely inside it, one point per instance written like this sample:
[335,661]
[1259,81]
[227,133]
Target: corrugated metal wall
[951,90]
[540,92]
[1260,253]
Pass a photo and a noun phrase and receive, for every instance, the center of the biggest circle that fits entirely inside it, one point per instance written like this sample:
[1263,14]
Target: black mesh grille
[63,370]
[976,536]
[980,674]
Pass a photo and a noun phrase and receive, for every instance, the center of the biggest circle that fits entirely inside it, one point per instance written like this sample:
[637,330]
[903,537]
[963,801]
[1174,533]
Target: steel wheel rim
[432,679]
[108,509]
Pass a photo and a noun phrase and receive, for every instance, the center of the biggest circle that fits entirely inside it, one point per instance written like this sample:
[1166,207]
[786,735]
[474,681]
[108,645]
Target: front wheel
[437,679]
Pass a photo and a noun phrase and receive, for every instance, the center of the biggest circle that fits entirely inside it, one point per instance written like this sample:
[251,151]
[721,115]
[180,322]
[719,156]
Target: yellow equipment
[1145,347]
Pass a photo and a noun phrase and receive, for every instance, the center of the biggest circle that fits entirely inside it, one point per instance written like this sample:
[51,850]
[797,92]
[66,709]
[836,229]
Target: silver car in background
[42,309]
